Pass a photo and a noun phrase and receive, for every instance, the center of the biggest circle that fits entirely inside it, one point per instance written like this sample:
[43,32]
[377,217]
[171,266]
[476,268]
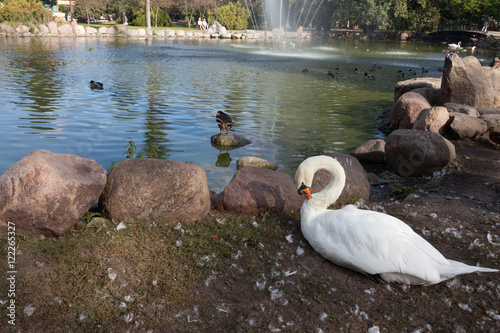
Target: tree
[147,11]
[88,7]
[157,7]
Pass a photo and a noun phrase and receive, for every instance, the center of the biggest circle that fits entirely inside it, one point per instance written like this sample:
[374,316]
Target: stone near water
[255,161]
[47,193]
[413,153]
[406,110]
[433,120]
[370,151]
[223,139]
[145,189]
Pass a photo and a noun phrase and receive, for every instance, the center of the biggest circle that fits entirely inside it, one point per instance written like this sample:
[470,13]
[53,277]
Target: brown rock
[46,193]
[356,184]
[224,139]
[406,109]
[370,151]
[254,189]
[467,127]
[151,189]
[465,82]
[462,108]
[428,87]
[415,153]
[22,29]
[432,120]
[255,161]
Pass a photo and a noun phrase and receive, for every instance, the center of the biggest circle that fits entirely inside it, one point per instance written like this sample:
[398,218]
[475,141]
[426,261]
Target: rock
[370,151]
[43,29]
[52,28]
[103,30]
[169,33]
[47,193]
[160,32]
[180,33]
[149,32]
[111,31]
[133,32]
[80,30]
[223,139]
[356,185]
[22,29]
[120,29]
[491,120]
[254,189]
[429,87]
[141,32]
[73,26]
[65,29]
[467,127]
[90,30]
[256,162]
[432,120]
[462,108]
[145,189]
[406,109]
[493,75]
[7,29]
[412,153]
[465,82]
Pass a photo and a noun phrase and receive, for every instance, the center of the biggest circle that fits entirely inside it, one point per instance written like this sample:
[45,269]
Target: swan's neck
[330,193]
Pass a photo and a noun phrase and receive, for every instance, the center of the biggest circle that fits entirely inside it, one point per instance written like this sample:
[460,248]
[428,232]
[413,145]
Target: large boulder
[65,29]
[7,29]
[433,120]
[429,87]
[43,29]
[22,29]
[415,153]
[370,151]
[465,82]
[254,189]
[255,161]
[47,193]
[406,109]
[461,108]
[466,127]
[356,184]
[52,26]
[151,189]
[493,74]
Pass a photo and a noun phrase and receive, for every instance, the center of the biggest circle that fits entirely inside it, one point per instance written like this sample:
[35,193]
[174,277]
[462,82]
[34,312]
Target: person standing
[486,20]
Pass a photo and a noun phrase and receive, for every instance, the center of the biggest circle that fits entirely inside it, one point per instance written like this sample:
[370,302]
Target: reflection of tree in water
[156,131]
[37,65]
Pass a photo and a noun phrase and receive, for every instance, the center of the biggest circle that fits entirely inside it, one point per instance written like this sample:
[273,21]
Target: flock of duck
[368,76]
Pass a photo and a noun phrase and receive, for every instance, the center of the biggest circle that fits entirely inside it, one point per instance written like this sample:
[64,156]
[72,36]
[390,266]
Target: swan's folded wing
[378,243]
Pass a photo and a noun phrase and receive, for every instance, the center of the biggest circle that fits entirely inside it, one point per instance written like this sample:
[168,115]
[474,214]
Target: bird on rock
[224,121]
[96,85]
[366,241]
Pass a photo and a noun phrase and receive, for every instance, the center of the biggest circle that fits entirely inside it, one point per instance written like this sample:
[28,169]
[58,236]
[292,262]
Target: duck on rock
[224,121]
[366,241]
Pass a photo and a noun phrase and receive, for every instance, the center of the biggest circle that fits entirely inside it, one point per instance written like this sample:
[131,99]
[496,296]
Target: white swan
[455,46]
[367,241]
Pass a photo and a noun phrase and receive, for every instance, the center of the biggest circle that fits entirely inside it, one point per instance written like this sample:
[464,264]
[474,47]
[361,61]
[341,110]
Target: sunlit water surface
[165,93]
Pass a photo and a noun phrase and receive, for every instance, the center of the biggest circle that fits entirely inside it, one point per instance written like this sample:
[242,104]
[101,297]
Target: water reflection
[164,94]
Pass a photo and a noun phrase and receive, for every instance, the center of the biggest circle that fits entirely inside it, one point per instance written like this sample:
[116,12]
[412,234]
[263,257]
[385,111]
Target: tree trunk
[148,14]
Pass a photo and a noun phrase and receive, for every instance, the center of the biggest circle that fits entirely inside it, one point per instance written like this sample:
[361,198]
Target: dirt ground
[258,274]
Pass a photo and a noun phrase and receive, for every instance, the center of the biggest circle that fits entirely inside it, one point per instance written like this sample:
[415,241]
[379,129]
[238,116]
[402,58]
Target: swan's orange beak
[303,189]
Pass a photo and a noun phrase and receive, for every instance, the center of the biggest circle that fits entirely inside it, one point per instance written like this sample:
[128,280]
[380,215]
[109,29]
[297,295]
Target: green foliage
[233,16]
[399,191]
[24,11]
[138,18]
[131,152]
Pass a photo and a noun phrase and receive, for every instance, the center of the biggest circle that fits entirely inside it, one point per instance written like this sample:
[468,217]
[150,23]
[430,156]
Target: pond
[164,93]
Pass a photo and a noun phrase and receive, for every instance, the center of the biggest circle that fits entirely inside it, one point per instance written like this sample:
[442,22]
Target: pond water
[165,93]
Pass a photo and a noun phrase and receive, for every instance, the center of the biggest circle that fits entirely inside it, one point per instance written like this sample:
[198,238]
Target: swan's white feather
[368,241]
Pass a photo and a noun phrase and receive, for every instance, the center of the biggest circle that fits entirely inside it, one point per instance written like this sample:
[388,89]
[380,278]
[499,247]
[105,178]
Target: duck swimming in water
[367,241]
[96,85]
[224,121]
[368,77]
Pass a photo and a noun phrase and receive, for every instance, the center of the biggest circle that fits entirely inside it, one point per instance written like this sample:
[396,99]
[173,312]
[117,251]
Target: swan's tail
[457,268]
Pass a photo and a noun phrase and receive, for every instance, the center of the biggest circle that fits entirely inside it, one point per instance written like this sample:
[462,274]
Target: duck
[96,85]
[494,136]
[374,243]
[401,73]
[358,71]
[455,46]
[375,67]
[424,70]
[224,121]
[412,72]
[368,77]
[330,73]
[305,70]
